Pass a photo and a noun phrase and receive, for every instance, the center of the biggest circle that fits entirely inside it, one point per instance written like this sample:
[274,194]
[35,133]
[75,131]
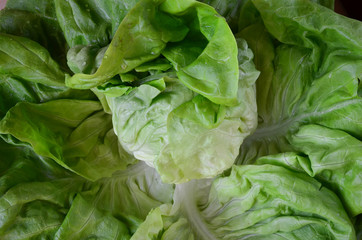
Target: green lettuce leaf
[42,8]
[172,29]
[253,202]
[37,21]
[77,134]
[130,192]
[231,10]
[29,74]
[84,222]
[310,65]
[85,59]
[36,210]
[173,127]
[208,134]
[91,21]
[35,193]
[41,200]
[14,90]
[145,136]
[28,60]
[20,164]
[163,223]
[332,156]
[113,208]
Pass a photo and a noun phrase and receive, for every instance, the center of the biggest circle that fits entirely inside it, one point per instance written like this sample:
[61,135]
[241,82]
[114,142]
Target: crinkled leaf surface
[208,135]
[253,202]
[153,28]
[308,75]
[91,21]
[332,156]
[41,200]
[174,127]
[178,88]
[77,134]
[14,90]
[182,100]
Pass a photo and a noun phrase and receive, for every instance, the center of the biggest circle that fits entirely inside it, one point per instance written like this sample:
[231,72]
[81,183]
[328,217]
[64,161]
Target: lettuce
[170,119]
[168,127]
[40,199]
[308,76]
[69,135]
[310,94]
[335,161]
[252,202]
[190,83]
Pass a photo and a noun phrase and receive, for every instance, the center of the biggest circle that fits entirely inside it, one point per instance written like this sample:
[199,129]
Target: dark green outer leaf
[37,21]
[28,60]
[14,90]
[34,193]
[81,23]
[91,21]
[20,164]
[44,8]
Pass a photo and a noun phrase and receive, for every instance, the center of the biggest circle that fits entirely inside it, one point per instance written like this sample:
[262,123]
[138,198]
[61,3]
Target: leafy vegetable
[35,63]
[253,202]
[252,107]
[28,73]
[310,76]
[166,95]
[167,128]
[158,27]
[91,21]
[69,135]
[114,207]
[37,21]
[39,199]
[35,193]
[334,157]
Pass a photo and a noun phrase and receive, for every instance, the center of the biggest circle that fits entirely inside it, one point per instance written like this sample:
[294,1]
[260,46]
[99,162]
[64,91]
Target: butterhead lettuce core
[179,86]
